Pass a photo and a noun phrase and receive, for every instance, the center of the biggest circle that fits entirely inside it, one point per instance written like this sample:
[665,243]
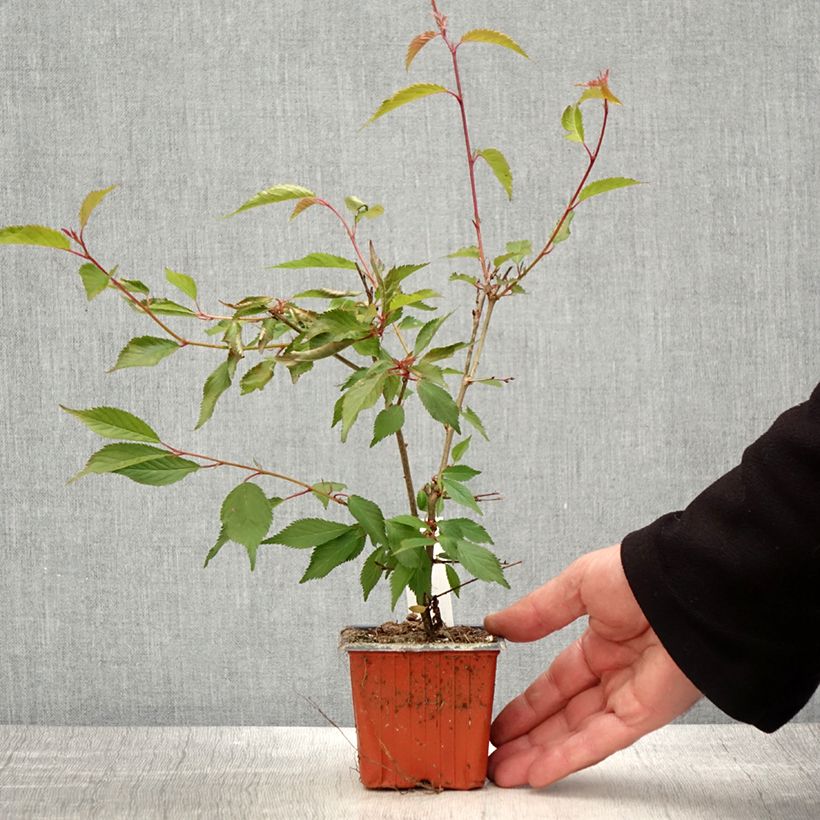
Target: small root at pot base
[413,632]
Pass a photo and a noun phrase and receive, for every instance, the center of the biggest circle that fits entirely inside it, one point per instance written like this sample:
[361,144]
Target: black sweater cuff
[731,585]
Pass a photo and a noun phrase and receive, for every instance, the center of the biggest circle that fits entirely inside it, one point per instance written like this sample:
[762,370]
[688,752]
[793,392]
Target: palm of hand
[613,685]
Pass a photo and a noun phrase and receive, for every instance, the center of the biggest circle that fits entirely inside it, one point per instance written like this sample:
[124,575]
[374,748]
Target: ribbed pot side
[423,714]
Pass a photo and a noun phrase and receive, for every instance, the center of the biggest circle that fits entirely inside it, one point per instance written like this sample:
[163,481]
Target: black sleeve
[731,585]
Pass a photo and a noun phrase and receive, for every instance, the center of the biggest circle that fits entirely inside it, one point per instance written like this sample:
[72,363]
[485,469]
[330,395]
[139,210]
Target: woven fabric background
[670,331]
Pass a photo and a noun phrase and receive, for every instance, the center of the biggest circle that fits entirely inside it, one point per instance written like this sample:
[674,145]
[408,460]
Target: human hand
[615,684]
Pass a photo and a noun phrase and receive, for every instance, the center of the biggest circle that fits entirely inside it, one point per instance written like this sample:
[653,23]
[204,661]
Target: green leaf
[354,204]
[362,395]
[465,528]
[369,516]
[371,572]
[111,422]
[94,280]
[388,421]
[166,307]
[322,491]
[497,38]
[470,252]
[439,404]
[182,282]
[563,231]
[439,353]
[90,203]
[463,277]
[114,457]
[215,385]
[461,448]
[144,351]
[572,121]
[461,494]
[416,45]
[499,166]
[34,235]
[409,521]
[325,293]
[246,514]
[519,249]
[399,578]
[257,377]
[318,260]
[331,554]
[135,286]
[406,95]
[159,472]
[278,193]
[340,323]
[425,335]
[453,580]
[404,299]
[308,532]
[481,563]
[472,417]
[221,540]
[398,274]
[461,472]
[601,186]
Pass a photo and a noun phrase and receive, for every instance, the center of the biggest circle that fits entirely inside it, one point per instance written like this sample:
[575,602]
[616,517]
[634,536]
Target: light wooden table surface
[295,773]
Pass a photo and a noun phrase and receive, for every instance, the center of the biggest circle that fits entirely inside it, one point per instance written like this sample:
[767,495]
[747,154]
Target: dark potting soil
[413,632]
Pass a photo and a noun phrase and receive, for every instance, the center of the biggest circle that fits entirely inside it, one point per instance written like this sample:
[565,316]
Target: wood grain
[714,771]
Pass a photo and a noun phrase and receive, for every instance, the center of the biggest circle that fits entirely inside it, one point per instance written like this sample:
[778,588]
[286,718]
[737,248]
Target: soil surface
[413,632]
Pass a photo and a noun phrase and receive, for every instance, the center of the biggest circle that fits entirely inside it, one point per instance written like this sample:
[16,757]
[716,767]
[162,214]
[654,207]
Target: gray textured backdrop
[680,319]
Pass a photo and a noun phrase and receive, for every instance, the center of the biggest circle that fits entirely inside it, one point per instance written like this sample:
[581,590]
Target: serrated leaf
[114,457]
[387,422]
[145,351]
[182,282]
[340,323]
[426,334]
[463,277]
[257,377]
[472,417]
[416,45]
[246,515]
[308,532]
[601,186]
[461,494]
[439,404]
[499,166]
[572,121]
[159,472]
[406,95]
[370,212]
[278,193]
[221,540]
[91,201]
[167,307]
[436,354]
[368,514]
[322,490]
[215,385]
[399,579]
[460,450]
[468,252]
[453,580]
[563,231]
[362,395]
[460,472]
[95,281]
[598,92]
[481,563]
[405,299]
[135,286]
[318,260]
[111,422]
[34,235]
[496,38]
[371,572]
[331,554]
[354,204]
[325,293]
[465,528]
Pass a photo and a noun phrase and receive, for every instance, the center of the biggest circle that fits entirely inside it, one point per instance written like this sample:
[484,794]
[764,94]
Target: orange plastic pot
[423,713]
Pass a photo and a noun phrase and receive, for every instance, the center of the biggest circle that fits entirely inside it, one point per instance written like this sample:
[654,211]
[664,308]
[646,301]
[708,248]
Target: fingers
[550,607]
[568,675]
[544,760]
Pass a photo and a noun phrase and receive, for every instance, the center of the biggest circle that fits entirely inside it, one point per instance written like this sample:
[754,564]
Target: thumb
[546,609]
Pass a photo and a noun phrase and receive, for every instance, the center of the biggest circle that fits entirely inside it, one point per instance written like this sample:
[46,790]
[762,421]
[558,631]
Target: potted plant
[422,690]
